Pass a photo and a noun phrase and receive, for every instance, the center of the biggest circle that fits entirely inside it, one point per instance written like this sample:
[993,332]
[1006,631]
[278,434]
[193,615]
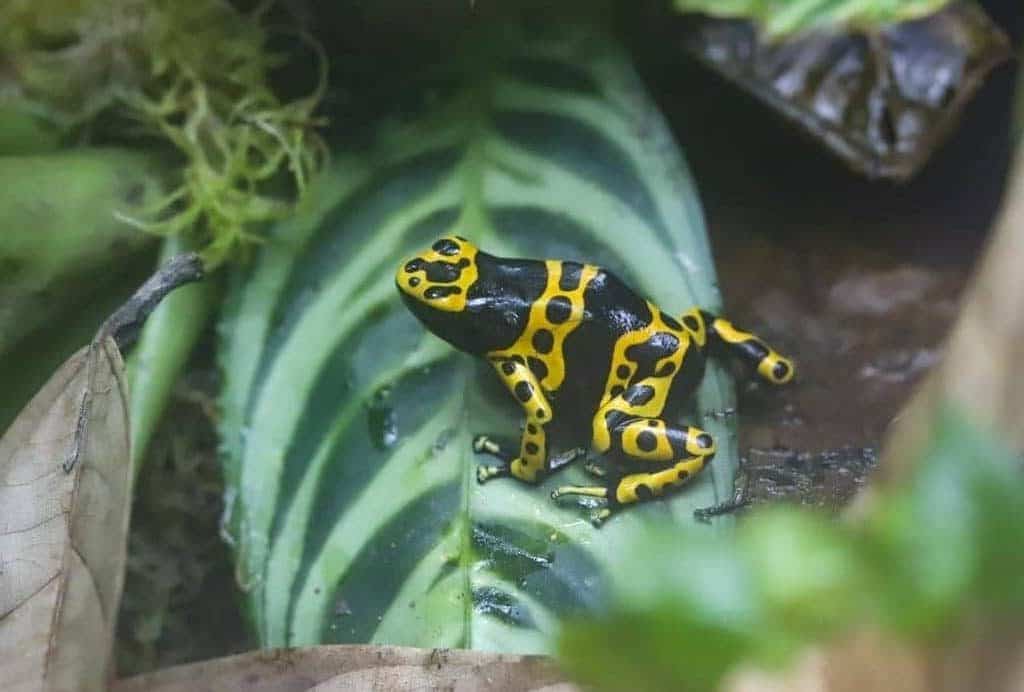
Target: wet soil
[863,326]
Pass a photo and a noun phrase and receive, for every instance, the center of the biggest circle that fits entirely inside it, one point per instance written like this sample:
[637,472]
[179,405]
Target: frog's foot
[486,473]
[600,517]
[595,469]
[593,498]
[738,501]
[483,444]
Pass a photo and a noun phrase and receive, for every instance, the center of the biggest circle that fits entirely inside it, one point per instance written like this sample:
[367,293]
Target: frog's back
[611,310]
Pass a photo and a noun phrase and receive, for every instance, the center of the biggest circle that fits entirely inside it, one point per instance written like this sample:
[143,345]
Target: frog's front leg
[532,462]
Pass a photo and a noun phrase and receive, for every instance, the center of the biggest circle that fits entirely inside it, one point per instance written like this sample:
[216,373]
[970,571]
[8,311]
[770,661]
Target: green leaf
[810,576]
[22,134]
[685,608]
[779,17]
[347,428]
[66,262]
[61,238]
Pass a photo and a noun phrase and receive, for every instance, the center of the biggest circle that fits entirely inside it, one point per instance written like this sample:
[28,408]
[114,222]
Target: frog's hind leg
[635,487]
[671,454]
[724,338]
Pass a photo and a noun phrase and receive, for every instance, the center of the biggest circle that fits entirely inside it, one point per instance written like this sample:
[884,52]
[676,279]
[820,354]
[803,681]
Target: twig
[124,326]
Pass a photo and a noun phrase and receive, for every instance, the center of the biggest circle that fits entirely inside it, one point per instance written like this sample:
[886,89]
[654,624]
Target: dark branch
[124,325]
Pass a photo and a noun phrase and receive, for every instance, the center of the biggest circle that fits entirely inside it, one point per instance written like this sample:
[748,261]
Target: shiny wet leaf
[881,99]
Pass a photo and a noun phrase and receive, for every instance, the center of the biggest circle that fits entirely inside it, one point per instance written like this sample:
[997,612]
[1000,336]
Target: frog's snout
[408,278]
[441,276]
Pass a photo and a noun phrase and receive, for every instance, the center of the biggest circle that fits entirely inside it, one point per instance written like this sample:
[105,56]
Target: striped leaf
[353,506]
[795,16]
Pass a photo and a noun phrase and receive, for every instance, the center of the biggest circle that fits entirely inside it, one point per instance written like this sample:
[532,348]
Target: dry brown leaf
[62,534]
[357,668]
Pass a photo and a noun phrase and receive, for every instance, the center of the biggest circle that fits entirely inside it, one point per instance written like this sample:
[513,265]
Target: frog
[594,366]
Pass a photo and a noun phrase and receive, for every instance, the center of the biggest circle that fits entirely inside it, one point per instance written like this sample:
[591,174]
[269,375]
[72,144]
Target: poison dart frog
[588,360]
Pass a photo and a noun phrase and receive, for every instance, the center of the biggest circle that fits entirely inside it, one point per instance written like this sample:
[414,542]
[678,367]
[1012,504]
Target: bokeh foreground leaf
[61,241]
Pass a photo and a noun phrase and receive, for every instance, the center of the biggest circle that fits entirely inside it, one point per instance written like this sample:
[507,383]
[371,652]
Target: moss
[193,74]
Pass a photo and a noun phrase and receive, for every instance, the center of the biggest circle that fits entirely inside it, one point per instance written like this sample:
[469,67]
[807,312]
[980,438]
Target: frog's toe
[597,491]
[599,517]
[486,473]
[482,443]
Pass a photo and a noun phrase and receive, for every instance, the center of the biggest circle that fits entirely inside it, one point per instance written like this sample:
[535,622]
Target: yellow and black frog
[584,356]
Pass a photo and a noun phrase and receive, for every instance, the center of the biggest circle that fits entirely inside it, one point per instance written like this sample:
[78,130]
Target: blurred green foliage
[781,17]
[943,549]
[190,74]
[60,240]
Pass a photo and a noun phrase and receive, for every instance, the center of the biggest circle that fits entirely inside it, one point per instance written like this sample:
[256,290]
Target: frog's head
[435,285]
[439,278]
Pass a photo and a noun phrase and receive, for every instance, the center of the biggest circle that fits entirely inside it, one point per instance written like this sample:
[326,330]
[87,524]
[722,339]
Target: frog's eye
[446,246]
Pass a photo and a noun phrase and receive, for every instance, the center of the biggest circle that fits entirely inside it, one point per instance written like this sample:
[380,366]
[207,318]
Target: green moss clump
[194,74]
